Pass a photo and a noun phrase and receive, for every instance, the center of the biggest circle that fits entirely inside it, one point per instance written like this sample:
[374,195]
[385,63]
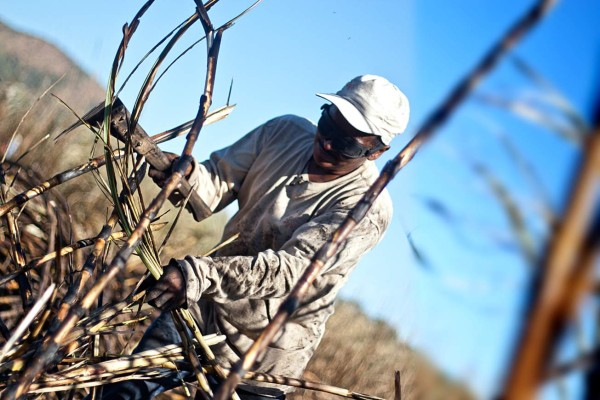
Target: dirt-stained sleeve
[272,274]
[218,179]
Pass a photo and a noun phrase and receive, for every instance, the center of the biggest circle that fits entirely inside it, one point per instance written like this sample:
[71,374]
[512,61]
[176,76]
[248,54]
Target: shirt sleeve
[273,274]
[218,179]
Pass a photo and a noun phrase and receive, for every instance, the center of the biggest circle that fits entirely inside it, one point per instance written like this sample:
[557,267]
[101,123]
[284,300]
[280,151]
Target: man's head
[360,124]
[372,105]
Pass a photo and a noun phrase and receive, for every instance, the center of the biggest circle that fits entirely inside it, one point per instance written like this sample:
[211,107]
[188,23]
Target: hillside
[361,354]
[29,67]
[356,353]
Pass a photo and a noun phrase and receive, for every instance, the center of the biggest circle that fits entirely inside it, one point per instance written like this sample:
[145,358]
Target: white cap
[373,105]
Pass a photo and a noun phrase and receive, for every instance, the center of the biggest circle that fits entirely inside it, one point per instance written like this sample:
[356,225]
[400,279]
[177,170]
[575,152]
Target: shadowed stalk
[51,256]
[56,180]
[4,330]
[168,357]
[431,124]
[17,253]
[187,317]
[52,236]
[103,237]
[546,307]
[18,256]
[188,349]
[60,261]
[35,310]
[397,386]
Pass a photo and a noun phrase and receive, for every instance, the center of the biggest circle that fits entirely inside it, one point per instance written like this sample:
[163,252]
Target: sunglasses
[341,143]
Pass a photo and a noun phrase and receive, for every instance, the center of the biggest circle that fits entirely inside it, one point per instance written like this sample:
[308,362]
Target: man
[294,183]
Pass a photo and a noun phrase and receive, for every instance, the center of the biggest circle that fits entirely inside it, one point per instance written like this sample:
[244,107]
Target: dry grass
[362,354]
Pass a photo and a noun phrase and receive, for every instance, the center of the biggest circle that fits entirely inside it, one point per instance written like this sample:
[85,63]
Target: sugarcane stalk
[167,357]
[56,180]
[51,256]
[439,116]
[105,235]
[52,344]
[80,244]
[397,386]
[94,164]
[190,354]
[551,298]
[17,253]
[204,346]
[51,244]
[35,310]
[4,330]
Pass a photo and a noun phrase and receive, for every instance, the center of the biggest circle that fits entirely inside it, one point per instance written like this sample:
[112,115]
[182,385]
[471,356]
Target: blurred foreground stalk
[560,281]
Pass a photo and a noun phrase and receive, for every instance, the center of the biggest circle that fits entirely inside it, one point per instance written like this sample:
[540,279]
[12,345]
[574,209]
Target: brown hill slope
[40,62]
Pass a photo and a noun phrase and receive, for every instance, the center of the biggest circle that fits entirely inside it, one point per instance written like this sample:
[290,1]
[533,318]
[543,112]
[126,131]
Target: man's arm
[218,179]
[272,274]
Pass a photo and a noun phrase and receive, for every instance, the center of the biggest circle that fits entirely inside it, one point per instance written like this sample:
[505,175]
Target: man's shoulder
[291,124]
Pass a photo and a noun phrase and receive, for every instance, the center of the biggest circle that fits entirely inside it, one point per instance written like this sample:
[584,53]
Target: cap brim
[350,113]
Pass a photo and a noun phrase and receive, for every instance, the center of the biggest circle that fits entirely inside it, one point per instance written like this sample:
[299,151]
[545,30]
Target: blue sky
[461,308]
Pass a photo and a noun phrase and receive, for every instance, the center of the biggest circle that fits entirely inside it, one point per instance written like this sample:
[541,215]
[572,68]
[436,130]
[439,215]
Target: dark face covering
[341,143]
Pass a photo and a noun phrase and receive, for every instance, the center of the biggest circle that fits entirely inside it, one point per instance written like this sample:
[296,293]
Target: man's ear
[374,156]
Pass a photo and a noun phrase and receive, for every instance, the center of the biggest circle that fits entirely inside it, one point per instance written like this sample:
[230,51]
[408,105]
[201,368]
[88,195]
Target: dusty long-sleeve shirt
[283,219]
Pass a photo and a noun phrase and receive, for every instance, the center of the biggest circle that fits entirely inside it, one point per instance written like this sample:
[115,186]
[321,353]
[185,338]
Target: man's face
[340,140]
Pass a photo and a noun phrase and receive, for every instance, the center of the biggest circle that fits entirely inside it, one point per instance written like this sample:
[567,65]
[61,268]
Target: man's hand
[168,292]
[160,177]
